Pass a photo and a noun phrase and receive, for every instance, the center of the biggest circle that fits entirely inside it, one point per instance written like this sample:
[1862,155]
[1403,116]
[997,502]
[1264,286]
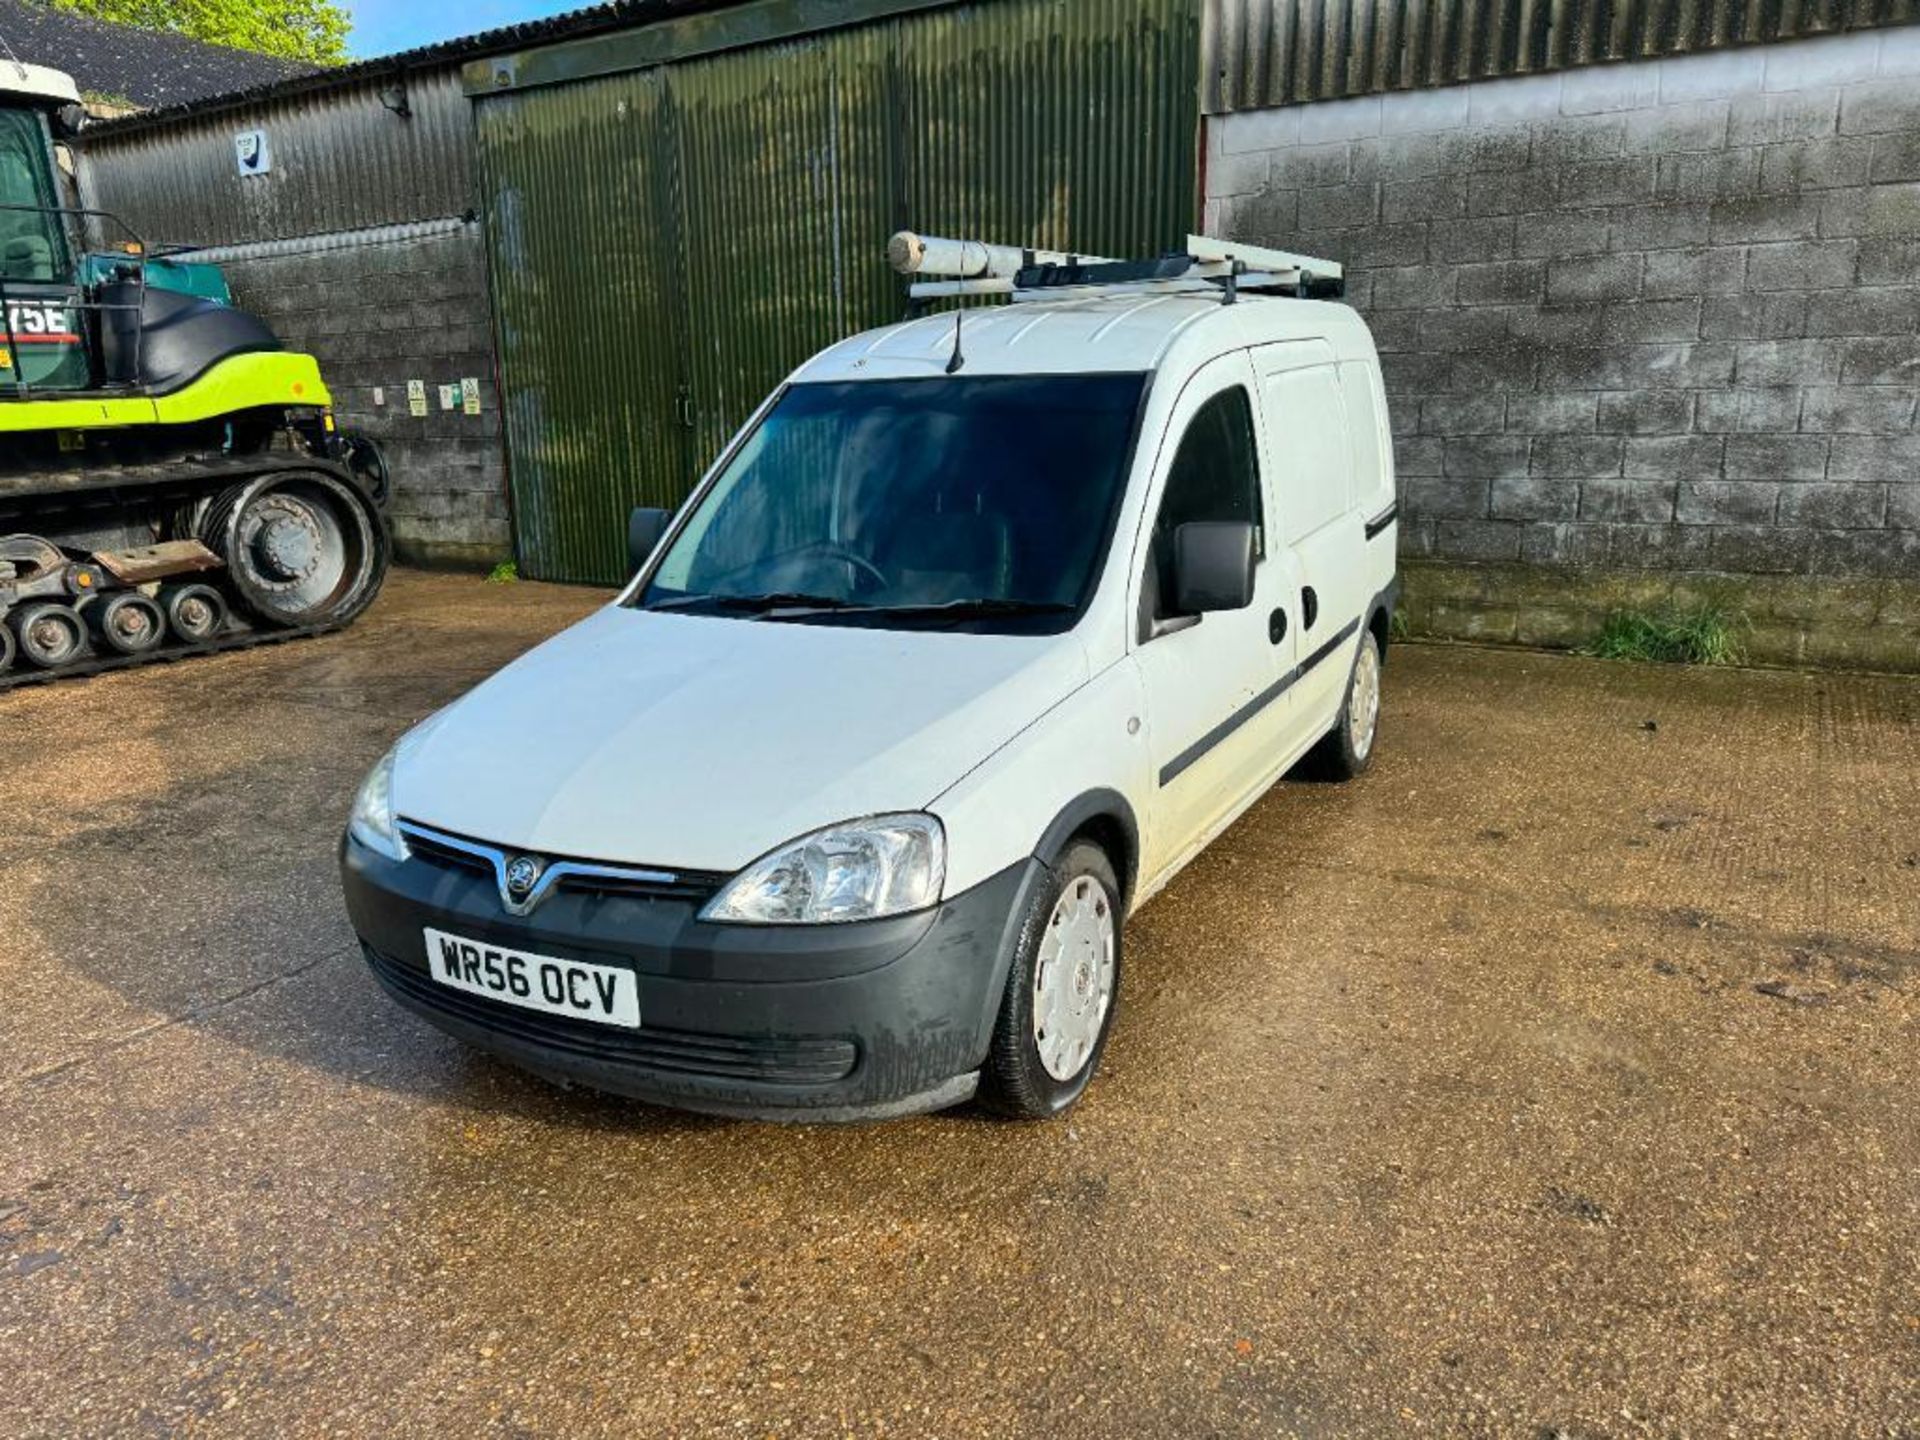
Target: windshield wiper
[758,604]
[975,608]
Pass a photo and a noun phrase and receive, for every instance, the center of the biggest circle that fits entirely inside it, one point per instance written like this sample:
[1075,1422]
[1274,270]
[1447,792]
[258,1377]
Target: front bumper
[831,1022]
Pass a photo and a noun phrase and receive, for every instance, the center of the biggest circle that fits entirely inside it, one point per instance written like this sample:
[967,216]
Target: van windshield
[983,502]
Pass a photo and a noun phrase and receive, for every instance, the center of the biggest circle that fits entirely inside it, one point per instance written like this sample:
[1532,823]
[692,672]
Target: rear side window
[1311,452]
[1367,433]
[1215,476]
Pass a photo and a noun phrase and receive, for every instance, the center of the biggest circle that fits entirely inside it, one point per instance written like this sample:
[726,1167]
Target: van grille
[458,852]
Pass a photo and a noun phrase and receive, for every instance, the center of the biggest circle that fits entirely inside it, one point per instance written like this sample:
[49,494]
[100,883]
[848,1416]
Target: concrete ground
[1559,1077]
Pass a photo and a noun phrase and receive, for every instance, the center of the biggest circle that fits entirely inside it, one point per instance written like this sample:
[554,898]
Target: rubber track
[24,674]
[227,469]
[235,468]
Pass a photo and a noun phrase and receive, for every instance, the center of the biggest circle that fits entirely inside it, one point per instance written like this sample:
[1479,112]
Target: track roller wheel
[50,634]
[301,547]
[128,623]
[195,613]
[7,649]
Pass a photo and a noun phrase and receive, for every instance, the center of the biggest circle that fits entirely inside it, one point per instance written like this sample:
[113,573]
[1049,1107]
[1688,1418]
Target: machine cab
[40,339]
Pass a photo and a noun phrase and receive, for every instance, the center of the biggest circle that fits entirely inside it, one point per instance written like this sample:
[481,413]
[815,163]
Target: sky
[381,27]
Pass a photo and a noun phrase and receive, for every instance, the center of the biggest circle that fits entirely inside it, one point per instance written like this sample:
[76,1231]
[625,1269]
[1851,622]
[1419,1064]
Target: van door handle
[1309,608]
[1277,626]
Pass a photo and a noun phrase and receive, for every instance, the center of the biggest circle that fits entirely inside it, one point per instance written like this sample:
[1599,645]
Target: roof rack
[1206,265]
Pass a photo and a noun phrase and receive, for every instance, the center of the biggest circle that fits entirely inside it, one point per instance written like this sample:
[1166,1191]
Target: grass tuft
[1702,636]
[505,573]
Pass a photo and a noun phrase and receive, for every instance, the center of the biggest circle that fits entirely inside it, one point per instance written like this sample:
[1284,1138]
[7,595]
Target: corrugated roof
[142,67]
[1289,52]
[573,24]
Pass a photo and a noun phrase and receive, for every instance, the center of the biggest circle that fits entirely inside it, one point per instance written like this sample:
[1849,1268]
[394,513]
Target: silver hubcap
[1363,706]
[1073,978]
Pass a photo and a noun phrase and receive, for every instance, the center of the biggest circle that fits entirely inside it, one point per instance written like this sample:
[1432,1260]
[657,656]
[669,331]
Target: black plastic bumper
[832,1022]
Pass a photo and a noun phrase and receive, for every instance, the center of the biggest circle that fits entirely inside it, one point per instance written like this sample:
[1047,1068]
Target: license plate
[599,993]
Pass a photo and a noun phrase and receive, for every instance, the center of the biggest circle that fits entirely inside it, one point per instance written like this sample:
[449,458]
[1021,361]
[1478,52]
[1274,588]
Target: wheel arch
[1106,817]
[1380,616]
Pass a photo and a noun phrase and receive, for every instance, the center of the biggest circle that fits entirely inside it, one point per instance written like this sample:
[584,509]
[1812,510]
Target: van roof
[1110,331]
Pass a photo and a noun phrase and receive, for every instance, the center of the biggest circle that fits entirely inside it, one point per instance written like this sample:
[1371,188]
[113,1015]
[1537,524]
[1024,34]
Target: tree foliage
[311,30]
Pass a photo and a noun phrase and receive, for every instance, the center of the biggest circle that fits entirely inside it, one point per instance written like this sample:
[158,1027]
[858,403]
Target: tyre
[1347,749]
[1062,990]
[301,547]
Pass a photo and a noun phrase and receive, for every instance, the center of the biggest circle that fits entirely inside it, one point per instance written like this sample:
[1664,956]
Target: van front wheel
[1062,990]
[1348,748]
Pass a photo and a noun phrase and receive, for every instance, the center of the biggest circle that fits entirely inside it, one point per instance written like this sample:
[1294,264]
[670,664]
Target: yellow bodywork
[240,382]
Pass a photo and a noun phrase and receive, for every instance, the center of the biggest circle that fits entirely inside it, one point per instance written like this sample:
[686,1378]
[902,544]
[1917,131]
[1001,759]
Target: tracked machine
[171,479]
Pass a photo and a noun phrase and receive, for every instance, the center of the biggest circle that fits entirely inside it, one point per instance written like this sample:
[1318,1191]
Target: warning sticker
[417,398]
[470,396]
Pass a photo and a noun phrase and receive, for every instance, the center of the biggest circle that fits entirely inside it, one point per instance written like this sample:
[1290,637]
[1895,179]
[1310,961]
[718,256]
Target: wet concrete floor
[1560,1077]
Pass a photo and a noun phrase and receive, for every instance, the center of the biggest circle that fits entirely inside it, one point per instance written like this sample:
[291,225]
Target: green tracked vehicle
[171,479]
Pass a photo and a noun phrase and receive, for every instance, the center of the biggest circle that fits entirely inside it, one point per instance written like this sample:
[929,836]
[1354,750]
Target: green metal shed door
[750,193]
[584,258]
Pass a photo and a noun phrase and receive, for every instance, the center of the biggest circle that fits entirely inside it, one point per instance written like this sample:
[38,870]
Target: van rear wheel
[1348,748]
[1062,990]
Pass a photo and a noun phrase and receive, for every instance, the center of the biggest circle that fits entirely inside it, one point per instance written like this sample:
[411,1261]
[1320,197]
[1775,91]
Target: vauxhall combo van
[979,631]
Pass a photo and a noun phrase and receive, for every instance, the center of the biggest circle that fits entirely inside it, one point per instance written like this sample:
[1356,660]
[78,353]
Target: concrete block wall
[376,316]
[1651,317]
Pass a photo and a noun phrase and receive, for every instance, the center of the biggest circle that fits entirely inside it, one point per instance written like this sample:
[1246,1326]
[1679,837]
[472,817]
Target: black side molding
[1186,759]
[1384,519]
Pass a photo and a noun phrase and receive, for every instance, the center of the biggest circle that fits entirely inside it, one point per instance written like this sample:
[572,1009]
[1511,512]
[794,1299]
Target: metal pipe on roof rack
[913,254]
[946,289]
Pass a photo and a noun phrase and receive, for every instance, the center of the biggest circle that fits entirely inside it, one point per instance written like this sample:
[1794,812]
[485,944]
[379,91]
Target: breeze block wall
[1651,333]
[377,313]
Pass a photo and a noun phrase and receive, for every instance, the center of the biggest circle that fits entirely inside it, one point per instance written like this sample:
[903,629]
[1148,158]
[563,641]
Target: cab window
[1214,476]
[30,243]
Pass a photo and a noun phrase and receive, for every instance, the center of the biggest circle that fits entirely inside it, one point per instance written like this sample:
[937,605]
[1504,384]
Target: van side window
[1214,477]
[1367,431]
[1311,455]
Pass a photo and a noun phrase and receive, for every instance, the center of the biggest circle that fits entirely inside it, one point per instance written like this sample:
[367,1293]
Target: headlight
[860,870]
[372,820]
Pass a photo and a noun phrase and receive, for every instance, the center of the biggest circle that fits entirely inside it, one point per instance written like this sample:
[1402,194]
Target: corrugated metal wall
[668,244]
[1284,52]
[342,160]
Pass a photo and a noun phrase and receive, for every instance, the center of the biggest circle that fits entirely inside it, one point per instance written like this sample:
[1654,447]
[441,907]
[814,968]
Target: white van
[975,635]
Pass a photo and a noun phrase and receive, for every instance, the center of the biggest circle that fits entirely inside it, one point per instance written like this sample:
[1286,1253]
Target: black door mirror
[1212,566]
[645,526]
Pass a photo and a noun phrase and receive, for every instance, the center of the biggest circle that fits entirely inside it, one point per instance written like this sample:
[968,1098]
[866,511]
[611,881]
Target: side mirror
[1212,566]
[645,526]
